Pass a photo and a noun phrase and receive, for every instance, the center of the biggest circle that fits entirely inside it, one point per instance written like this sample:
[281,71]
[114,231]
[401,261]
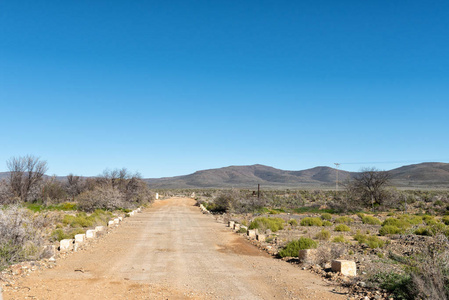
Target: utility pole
[258,191]
[336,181]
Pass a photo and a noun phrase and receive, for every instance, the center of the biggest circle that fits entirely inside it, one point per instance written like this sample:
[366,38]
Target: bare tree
[369,186]
[75,185]
[26,173]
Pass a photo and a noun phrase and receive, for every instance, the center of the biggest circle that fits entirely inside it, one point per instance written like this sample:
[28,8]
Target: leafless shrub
[75,185]
[137,191]
[53,191]
[20,236]
[103,197]
[6,196]
[325,255]
[25,175]
[430,277]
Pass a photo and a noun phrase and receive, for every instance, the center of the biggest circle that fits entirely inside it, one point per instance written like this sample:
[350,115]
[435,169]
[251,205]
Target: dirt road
[172,251]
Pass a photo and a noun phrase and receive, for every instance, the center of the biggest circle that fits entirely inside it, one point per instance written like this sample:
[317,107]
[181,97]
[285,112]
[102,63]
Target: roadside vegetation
[398,237]
[36,210]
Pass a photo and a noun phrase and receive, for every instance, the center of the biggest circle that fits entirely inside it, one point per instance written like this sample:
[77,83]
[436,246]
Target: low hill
[250,176]
[425,174]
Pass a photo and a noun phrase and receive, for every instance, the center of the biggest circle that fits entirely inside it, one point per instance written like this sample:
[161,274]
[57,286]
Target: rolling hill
[423,175]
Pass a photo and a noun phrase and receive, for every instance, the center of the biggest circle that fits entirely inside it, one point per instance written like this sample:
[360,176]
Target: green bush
[369,240]
[445,220]
[264,223]
[58,235]
[371,220]
[293,247]
[390,229]
[327,223]
[424,231]
[293,222]
[242,230]
[98,217]
[342,227]
[323,235]
[308,221]
[432,230]
[339,239]
[399,223]
[344,220]
[397,284]
[326,216]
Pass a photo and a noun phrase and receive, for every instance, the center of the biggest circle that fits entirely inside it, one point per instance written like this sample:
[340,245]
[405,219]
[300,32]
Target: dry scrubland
[37,211]
[400,245]
[397,238]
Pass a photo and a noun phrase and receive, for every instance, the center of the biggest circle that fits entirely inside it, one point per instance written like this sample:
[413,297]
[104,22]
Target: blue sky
[170,87]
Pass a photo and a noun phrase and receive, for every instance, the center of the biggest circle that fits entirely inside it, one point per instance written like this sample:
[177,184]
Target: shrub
[399,223]
[369,240]
[445,220]
[390,229]
[371,220]
[342,227]
[308,221]
[263,223]
[101,197]
[339,239]
[344,220]
[424,231]
[360,215]
[395,283]
[99,217]
[293,222]
[326,216]
[323,235]
[20,236]
[293,247]
[327,223]
[438,228]
[242,230]
[429,220]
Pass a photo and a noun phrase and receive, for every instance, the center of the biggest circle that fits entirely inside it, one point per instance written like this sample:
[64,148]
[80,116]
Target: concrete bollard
[307,255]
[345,267]
[91,234]
[65,245]
[261,237]
[251,233]
[231,224]
[80,238]
[99,229]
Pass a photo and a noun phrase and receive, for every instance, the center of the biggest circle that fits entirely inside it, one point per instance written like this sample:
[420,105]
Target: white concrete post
[91,234]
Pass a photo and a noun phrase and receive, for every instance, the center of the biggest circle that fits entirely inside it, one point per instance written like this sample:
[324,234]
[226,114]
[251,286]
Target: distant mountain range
[432,175]
[424,175]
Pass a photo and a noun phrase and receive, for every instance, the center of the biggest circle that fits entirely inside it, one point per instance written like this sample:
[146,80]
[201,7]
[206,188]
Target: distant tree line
[113,189]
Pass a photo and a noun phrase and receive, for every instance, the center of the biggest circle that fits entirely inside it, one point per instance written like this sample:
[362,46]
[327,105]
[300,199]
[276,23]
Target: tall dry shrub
[102,197]
[20,236]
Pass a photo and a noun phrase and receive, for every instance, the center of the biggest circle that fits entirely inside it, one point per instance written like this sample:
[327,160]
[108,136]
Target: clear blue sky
[170,87]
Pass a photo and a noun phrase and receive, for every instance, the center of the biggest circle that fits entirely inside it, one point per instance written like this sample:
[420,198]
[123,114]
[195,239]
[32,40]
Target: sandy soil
[172,251]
